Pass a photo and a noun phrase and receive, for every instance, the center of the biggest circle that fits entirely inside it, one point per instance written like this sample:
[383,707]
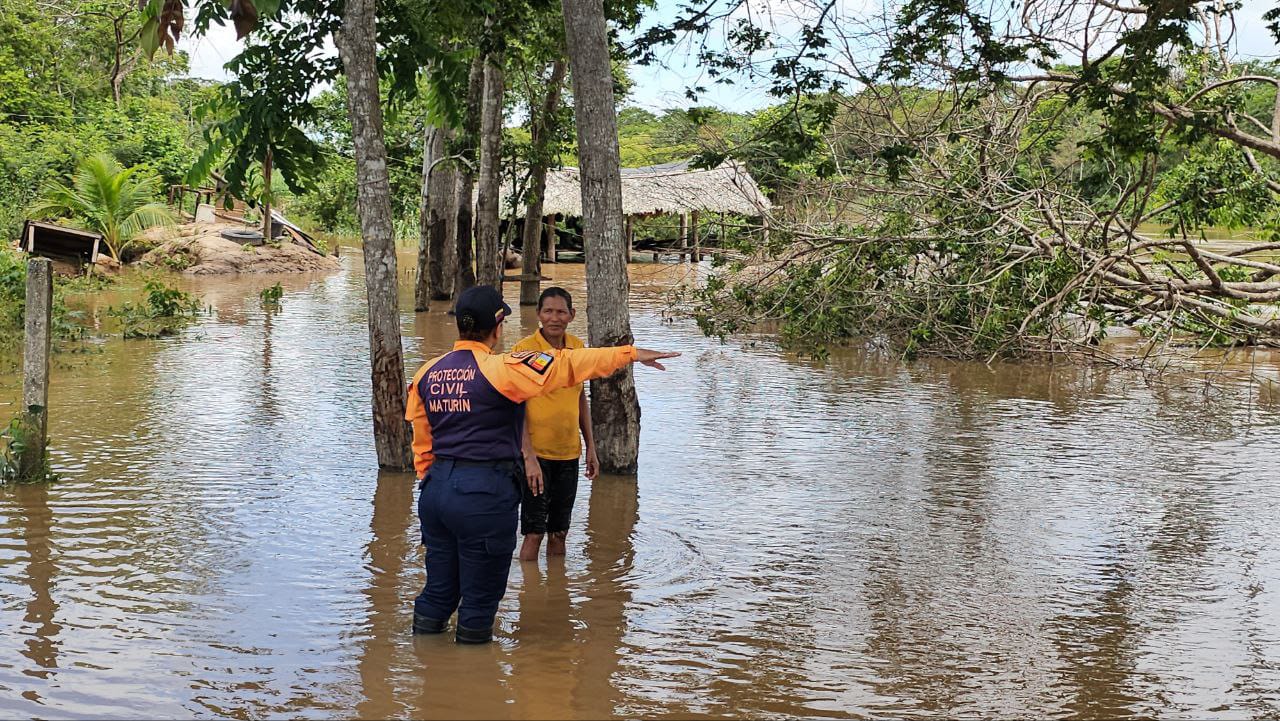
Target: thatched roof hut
[672,188]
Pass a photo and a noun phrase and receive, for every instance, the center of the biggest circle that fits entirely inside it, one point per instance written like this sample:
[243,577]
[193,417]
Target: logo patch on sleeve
[539,362]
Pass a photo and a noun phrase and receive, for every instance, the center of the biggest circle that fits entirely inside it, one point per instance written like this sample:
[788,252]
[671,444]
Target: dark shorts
[551,511]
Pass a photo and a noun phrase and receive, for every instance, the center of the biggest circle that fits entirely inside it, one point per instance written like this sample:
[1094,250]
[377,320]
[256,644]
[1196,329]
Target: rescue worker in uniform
[467,411]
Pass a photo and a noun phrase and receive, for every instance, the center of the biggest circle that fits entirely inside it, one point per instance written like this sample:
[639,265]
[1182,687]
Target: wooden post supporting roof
[631,236]
[551,239]
[694,256]
[683,241]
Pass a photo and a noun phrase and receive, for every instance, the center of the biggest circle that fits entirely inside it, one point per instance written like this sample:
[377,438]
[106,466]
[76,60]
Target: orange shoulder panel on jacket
[525,375]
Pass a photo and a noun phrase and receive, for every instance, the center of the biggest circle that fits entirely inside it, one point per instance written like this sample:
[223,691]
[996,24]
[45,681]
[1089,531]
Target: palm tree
[114,201]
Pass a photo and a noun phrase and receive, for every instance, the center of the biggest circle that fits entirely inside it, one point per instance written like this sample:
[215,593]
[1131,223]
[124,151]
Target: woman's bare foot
[555,543]
[529,548]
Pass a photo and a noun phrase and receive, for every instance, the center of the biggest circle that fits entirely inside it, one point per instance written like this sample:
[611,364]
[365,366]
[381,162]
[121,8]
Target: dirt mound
[201,250]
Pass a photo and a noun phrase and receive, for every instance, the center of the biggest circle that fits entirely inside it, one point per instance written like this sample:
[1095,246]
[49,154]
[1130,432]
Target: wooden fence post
[35,365]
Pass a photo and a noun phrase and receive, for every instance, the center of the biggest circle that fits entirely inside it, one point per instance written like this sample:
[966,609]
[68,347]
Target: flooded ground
[860,538]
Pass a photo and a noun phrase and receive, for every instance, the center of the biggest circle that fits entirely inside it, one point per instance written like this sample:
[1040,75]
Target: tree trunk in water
[266,198]
[615,411]
[432,149]
[540,138]
[531,252]
[466,275]
[357,51]
[442,247]
[488,267]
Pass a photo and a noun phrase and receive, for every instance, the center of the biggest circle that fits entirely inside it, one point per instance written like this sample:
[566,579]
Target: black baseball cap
[481,307]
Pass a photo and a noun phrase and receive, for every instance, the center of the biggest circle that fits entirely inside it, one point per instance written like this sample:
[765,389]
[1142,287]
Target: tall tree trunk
[266,198]
[615,411]
[117,77]
[432,150]
[357,51]
[442,247]
[540,137]
[488,267]
[466,275]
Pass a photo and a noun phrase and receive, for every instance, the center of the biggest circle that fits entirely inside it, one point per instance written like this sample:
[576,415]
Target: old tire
[236,235]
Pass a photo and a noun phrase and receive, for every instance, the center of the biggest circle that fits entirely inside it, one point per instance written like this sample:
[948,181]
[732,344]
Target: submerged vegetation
[14,439]
[270,297]
[163,311]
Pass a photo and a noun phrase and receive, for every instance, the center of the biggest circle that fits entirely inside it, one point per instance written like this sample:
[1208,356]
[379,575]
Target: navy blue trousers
[468,514]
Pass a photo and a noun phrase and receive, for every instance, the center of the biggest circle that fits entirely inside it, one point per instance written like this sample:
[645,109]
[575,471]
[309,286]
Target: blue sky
[662,87]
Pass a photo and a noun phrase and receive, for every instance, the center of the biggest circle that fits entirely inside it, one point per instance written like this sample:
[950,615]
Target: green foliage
[163,311]
[330,201]
[13,295]
[177,261]
[57,106]
[14,439]
[270,297]
[257,116]
[66,325]
[86,283]
[1195,187]
[108,199]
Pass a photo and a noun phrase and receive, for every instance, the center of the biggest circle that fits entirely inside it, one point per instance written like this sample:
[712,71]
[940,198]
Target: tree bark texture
[615,411]
[466,275]
[540,138]
[266,198]
[357,51]
[442,248]
[488,265]
[432,150]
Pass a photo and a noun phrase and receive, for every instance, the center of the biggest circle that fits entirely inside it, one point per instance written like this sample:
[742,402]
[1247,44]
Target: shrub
[271,296]
[164,311]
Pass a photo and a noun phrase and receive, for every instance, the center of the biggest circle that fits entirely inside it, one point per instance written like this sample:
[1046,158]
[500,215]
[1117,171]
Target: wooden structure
[667,189]
[215,196]
[202,196]
[60,243]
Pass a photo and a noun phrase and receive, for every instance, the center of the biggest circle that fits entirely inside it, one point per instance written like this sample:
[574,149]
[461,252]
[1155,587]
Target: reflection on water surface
[860,538]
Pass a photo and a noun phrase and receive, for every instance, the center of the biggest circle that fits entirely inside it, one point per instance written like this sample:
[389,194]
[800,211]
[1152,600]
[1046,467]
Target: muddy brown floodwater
[860,538]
